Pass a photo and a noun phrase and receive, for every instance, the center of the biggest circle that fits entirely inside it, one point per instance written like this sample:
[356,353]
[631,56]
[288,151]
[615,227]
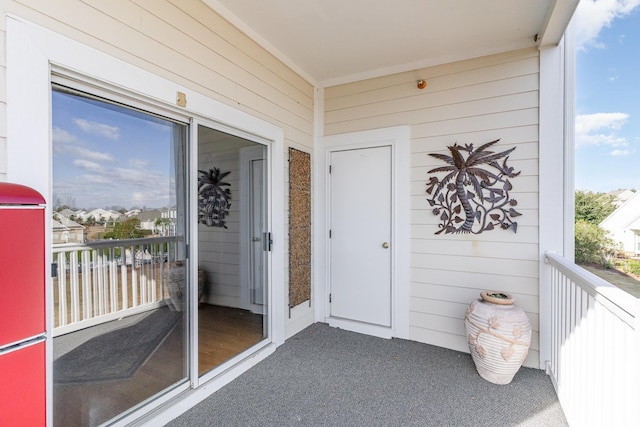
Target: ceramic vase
[175,280]
[499,335]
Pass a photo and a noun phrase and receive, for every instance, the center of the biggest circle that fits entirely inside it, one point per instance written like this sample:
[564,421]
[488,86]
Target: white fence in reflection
[105,280]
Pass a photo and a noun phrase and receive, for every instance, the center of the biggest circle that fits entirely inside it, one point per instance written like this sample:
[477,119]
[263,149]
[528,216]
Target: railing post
[124,279]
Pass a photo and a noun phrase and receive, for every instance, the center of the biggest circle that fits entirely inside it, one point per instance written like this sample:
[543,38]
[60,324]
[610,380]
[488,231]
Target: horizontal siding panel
[482,107]
[206,233]
[527,200]
[275,110]
[453,310]
[521,184]
[459,343]
[408,79]
[421,149]
[425,216]
[438,308]
[524,138]
[217,246]
[511,267]
[451,293]
[524,167]
[449,325]
[438,338]
[524,234]
[209,266]
[494,121]
[481,91]
[223,285]
[476,248]
[477,282]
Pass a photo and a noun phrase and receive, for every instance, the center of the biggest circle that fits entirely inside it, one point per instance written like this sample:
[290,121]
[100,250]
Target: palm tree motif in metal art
[214,201]
[470,198]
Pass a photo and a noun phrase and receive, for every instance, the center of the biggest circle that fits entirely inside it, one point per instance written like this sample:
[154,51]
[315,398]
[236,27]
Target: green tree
[593,244]
[126,230]
[593,207]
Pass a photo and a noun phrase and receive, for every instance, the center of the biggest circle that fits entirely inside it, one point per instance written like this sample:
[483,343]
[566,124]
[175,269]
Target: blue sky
[105,155]
[607,95]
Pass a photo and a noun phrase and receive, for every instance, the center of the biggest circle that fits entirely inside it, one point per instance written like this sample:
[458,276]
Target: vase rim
[491,296]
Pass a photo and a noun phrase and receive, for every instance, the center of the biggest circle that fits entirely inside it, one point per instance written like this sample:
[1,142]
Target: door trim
[399,139]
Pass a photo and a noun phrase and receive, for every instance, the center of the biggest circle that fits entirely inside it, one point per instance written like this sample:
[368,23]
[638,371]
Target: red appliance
[22,307]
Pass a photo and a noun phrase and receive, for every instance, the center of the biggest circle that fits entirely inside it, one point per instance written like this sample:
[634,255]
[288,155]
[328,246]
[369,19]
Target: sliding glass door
[232,246]
[120,285]
[121,274]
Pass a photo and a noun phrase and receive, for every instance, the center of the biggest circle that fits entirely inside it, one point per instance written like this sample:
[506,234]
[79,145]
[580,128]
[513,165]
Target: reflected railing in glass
[100,281]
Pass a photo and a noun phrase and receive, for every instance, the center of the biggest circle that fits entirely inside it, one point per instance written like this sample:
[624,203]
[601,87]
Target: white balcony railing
[595,363]
[105,280]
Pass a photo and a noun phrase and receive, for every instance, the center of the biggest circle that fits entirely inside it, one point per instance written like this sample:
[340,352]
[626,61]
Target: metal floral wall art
[473,196]
[214,200]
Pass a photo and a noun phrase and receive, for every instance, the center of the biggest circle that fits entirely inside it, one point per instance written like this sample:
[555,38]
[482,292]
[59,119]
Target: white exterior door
[360,236]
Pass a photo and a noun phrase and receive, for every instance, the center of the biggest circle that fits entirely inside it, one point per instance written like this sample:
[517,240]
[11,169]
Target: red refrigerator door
[22,274]
[22,389]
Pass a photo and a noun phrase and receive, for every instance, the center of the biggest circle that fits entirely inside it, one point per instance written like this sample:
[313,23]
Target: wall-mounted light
[422,84]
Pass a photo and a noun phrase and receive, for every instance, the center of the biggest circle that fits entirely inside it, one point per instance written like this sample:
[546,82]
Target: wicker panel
[299,227]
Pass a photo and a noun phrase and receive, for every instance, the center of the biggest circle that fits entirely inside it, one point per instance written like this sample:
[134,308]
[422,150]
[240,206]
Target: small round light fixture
[422,84]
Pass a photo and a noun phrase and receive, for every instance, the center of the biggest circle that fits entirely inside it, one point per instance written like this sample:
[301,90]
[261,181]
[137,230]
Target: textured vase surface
[175,282]
[499,335]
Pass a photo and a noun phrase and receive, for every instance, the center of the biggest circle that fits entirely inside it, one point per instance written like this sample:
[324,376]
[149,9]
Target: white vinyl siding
[468,102]
[188,43]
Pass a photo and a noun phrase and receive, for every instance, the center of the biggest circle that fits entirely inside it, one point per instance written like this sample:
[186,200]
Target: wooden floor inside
[223,333]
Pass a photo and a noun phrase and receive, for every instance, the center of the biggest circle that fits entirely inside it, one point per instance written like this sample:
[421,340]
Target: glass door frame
[196,379]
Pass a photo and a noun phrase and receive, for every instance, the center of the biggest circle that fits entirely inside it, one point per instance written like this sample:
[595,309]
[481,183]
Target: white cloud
[110,132]
[617,153]
[68,144]
[86,164]
[61,136]
[593,15]
[586,123]
[84,153]
[138,163]
[601,129]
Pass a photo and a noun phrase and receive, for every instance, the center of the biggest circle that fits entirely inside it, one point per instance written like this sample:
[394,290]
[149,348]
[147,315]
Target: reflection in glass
[118,248]
[231,256]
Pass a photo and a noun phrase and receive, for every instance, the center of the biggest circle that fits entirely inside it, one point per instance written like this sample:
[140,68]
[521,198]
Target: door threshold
[361,327]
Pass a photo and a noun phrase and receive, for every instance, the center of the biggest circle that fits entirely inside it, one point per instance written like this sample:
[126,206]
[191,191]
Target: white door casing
[398,139]
[360,224]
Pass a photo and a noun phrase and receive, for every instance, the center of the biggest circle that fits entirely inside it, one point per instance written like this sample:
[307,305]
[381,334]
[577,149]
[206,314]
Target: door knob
[385,245]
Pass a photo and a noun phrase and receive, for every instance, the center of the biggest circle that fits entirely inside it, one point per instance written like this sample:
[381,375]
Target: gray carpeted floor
[330,377]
